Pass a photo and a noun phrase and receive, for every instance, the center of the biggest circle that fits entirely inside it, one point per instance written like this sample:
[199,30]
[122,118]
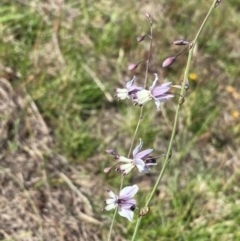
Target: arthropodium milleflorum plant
[142,160]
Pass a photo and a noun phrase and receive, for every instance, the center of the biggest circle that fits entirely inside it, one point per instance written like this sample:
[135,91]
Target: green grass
[196,200]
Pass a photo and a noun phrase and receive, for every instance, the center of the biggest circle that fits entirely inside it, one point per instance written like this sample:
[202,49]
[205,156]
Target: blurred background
[59,64]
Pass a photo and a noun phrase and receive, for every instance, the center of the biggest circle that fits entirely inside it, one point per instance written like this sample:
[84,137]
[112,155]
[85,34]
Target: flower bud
[168,61]
[132,66]
[107,169]
[141,38]
[112,152]
[144,211]
[180,42]
[147,15]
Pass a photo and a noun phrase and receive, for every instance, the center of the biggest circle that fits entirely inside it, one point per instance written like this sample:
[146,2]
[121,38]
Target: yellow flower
[230,89]
[235,114]
[192,76]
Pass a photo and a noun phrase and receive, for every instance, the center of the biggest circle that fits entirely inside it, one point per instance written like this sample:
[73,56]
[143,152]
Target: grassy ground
[59,64]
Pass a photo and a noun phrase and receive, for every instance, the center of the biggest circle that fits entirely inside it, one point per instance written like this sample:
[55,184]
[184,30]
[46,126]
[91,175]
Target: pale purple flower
[157,93]
[129,91]
[124,202]
[142,160]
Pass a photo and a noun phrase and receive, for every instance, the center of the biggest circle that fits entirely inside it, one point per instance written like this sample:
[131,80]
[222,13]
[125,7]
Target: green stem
[168,155]
[149,55]
[135,132]
[111,227]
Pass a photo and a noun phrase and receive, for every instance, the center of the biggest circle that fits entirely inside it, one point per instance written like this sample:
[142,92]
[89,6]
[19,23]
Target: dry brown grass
[42,196]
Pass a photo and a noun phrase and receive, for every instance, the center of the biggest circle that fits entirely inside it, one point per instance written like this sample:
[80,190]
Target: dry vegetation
[41,195]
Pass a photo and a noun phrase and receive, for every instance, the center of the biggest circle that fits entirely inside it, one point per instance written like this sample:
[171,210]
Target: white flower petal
[131,82]
[110,206]
[128,192]
[137,148]
[126,171]
[112,195]
[157,102]
[127,213]
[140,164]
[118,90]
[124,159]
[122,94]
[146,169]
[154,82]
[143,96]
[126,168]
[110,201]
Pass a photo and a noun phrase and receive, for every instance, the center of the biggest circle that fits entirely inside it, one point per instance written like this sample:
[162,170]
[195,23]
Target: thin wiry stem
[111,227]
[169,151]
[145,85]
[149,54]
[135,132]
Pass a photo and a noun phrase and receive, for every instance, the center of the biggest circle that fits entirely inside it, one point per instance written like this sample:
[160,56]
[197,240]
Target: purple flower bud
[132,66]
[168,61]
[147,15]
[180,42]
[141,38]
[107,169]
[112,152]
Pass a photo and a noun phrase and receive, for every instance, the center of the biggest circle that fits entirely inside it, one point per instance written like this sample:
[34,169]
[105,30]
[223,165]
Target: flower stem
[169,151]
[145,84]
[149,55]
[135,132]
[111,227]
